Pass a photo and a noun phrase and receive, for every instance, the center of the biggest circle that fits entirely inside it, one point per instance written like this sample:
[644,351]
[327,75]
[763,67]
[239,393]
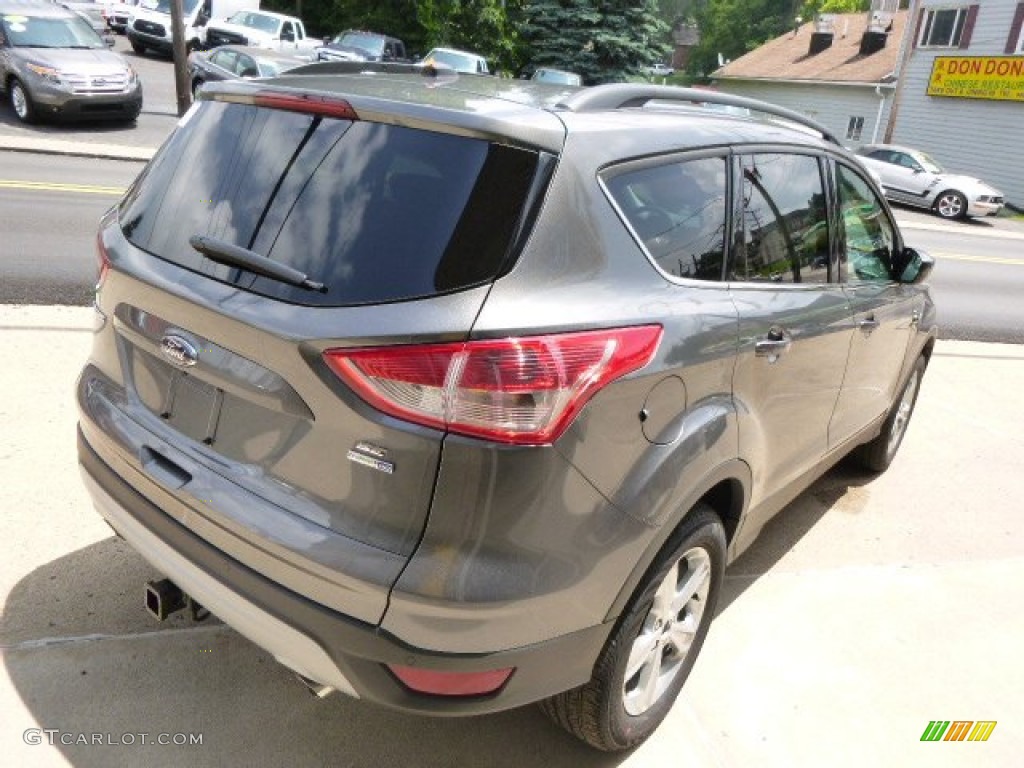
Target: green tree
[730,28]
[811,8]
[603,40]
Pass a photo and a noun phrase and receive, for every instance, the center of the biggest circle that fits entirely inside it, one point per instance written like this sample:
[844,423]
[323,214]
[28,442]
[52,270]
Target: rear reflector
[524,390]
[440,683]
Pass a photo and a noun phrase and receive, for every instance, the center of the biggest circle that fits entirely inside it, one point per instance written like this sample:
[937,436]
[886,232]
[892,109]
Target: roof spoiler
[632,95]
[371,67]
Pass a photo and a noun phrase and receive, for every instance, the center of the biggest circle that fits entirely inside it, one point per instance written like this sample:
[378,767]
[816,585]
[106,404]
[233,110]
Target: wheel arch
[726,490]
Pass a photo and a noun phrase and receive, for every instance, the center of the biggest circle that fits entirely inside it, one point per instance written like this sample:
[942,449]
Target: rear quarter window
[677,210]
[376,212]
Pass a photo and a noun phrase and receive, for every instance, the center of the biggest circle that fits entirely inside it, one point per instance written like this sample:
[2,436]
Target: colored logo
[958,730]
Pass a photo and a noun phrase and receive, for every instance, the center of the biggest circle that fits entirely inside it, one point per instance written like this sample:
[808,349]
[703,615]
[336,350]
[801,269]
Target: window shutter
[965,37]
[1015,27]
[917,28]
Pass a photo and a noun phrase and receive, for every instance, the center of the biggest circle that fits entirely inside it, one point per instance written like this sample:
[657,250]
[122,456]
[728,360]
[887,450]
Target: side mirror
[916,266]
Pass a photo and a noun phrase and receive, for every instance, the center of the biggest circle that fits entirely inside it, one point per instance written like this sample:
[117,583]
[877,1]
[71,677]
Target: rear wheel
[879,453]
[138,47]
[652,650]
[951,205]
[21,102]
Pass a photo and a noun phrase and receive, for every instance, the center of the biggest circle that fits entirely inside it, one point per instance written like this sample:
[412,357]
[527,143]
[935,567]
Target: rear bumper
[319,643]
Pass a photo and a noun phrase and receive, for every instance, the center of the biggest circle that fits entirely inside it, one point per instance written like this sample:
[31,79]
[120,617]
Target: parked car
[358,45]
[92,13]
[556,76]
[262,29]
[460,397]
[460,61]
[231,62]
[53,64]
[911,177]
[660,70]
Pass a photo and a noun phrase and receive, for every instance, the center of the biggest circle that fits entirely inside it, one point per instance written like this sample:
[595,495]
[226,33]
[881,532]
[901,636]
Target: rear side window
[785,225]
[678,212]
[375,212]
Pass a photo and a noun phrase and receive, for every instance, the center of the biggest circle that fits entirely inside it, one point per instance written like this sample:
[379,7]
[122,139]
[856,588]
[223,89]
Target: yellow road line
[51,186]
[985,259]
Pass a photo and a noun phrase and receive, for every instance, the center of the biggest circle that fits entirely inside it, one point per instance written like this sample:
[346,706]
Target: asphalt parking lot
[870,607]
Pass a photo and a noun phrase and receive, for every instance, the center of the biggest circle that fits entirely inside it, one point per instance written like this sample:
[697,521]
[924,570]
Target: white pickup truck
[262,29]
[148,25]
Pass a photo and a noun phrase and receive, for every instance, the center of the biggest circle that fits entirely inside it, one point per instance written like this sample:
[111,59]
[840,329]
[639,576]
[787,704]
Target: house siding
[830,105]
[971,136]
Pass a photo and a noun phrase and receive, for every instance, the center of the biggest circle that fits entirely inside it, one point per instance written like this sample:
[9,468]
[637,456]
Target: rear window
[375,212]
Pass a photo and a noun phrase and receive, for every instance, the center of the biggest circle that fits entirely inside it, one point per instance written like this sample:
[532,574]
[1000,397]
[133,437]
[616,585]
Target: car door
[794,322]
[884,311]
[906,179]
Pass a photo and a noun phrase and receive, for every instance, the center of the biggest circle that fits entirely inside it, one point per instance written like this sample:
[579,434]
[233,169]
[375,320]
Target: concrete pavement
[870,607]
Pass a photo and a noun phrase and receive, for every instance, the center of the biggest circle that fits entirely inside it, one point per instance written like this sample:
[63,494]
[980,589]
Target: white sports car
[911,177]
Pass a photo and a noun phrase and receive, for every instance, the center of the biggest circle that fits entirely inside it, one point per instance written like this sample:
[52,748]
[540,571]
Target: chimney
[824,32]
[879,26]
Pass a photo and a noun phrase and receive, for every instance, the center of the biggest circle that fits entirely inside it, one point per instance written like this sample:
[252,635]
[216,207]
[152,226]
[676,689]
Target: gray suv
[457,394]
[53,64]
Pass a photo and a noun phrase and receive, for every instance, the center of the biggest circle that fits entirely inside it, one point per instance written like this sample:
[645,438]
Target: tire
[878,454]
[138,47]
[196,85]
[951,205]
[20,101]
[656,641]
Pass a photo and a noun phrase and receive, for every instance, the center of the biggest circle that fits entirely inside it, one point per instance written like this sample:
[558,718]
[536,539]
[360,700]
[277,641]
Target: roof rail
[426,71]
[626,95]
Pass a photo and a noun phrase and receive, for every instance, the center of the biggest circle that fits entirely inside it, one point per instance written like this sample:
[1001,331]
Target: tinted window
[785,229]
[376,212]
[678,211]
[868,236]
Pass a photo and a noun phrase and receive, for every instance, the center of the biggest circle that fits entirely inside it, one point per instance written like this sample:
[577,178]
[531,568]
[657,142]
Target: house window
[943,28]
[854,128]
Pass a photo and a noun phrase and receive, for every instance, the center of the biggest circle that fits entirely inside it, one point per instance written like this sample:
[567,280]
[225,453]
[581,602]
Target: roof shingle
[787,57]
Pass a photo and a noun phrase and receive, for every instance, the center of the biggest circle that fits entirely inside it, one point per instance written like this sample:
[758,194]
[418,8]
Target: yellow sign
[1000,78]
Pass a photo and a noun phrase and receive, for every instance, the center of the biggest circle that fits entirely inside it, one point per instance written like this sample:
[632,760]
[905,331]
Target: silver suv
[457,394]
[53,64]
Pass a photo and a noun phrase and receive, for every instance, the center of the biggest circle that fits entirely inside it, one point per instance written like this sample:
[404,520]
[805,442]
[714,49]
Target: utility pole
[906,46]
[180,56]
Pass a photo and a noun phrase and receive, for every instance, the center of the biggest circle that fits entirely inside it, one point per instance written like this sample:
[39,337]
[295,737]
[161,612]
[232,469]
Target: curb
[76,148]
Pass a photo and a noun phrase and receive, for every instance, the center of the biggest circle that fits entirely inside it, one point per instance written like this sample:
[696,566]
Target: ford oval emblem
[178,350]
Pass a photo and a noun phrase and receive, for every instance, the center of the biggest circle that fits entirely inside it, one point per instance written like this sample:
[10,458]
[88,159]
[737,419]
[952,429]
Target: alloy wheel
[668,631]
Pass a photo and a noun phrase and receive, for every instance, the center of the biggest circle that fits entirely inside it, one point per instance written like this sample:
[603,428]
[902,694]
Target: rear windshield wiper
[235,256]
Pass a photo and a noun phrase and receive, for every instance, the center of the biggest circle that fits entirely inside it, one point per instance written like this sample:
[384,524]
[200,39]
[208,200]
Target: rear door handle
[773,345]
[868,324]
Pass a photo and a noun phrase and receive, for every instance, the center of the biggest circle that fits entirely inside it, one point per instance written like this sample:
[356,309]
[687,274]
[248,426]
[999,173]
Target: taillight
[524,390]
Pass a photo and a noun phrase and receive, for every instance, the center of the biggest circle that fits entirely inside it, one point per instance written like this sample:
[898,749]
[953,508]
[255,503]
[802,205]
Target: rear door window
[376,212]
